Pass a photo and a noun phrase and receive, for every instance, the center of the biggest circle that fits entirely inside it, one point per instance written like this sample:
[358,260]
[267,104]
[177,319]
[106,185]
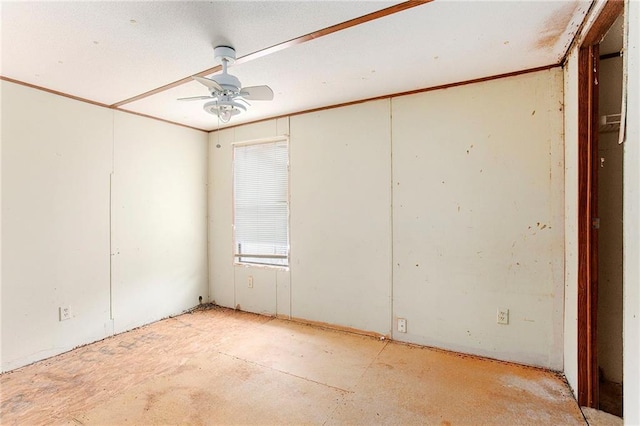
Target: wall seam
[564,211]
[113,156]
[391,284]
[207,217]
[289,219]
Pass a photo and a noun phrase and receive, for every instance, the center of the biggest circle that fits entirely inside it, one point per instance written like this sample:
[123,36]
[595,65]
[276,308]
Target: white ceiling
[107,52]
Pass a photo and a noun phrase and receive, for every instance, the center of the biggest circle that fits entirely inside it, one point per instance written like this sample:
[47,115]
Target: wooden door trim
[587,255]
[605,20]
[588,63]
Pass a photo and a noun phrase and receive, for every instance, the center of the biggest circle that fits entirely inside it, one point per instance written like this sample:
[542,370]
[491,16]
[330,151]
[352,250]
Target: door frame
[588,68]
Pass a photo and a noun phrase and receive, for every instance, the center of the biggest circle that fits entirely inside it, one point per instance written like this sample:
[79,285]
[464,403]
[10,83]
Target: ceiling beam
[284,45]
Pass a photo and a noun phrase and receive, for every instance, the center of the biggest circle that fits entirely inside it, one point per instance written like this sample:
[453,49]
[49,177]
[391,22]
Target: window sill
[259,266]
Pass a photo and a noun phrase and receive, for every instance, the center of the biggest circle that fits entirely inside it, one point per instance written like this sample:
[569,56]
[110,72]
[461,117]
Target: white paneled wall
[59,223]
[159,220]
[478,217]
[438,207]
[221,275]
[390,216]
[341,216]
[55,223]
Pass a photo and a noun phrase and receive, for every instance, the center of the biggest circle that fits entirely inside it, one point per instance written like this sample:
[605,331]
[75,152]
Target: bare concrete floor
[223,367]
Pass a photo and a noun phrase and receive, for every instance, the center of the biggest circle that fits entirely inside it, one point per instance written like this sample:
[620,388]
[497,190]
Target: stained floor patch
[225,367]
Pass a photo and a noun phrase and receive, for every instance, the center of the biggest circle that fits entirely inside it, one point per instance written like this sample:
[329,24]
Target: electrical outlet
[503,316]
[250,281]
[65,313]
[402,325]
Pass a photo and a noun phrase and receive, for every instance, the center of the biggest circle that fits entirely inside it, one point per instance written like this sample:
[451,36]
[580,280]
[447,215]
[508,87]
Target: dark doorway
[609,211]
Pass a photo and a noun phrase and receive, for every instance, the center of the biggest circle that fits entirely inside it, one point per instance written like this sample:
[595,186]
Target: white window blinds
[261,208]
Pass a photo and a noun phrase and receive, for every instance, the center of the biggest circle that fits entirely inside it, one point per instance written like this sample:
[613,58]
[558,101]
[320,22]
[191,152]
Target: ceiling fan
[226,92]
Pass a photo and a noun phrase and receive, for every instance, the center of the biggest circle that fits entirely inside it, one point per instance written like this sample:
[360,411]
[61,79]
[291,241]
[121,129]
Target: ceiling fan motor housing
[227,81]
[225,53]
[227,56]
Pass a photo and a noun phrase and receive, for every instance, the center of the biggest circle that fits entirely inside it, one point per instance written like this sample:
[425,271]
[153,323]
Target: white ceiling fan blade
[211,84]
[257,93]
[195,98]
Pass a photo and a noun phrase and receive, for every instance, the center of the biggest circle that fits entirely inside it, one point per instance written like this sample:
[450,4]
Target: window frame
[236,256]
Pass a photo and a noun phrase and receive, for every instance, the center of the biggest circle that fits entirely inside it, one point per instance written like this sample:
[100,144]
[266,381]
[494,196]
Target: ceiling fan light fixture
[225,89]
[224,109]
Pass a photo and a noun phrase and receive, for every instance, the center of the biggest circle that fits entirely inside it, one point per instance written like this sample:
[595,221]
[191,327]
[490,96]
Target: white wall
[56,237]
[632,219]
[502,249]
[221,276]
[56,162]
[270,293]
[478,217]
[340,226]
[571,220]
[341,216]
[159,220]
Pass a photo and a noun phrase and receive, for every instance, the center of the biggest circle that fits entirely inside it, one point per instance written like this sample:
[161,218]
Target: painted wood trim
[98,104]
[395,95]
[285,45]
[158,119]
[53,92]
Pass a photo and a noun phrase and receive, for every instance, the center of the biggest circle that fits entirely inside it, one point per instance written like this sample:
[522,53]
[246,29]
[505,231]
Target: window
[261,203]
